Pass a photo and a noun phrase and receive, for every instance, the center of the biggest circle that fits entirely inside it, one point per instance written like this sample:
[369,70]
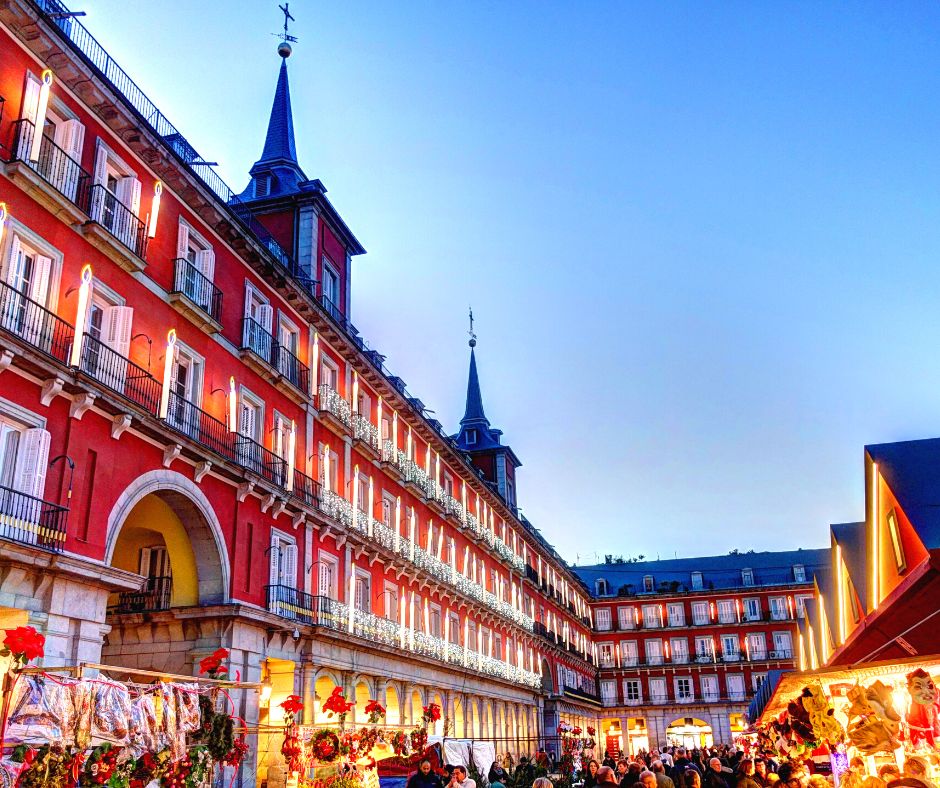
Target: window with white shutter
[327,575]
[283,560]
[32,459]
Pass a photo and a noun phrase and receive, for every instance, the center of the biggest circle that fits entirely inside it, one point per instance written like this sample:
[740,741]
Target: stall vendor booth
[883,712]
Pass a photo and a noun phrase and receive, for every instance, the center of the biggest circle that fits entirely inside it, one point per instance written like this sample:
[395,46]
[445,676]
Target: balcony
[154,596]
[731,657]
[195,296]
[120,375]
[125,241]
[35,325]
[292,370]
[781,654]
[302,608]
[32,521]
[55,179]
[193,422]
[366,433]
[258,346]
[332,405]
[259,460]
[305,489]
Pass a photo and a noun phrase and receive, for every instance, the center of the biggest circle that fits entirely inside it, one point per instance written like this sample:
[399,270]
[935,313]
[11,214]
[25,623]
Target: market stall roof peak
[851,538]
[911,469]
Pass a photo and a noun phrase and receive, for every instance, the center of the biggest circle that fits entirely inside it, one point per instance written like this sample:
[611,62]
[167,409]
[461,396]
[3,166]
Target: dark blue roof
[718,572]
[851,538]
[912,470]
[277,168]
[473,412]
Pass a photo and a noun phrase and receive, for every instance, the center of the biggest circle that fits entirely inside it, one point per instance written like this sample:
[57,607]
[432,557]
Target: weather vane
[473,337]
[284,49]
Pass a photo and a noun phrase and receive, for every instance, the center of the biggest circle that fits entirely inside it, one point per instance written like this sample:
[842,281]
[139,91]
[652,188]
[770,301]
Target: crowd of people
[678,767]
[728,767]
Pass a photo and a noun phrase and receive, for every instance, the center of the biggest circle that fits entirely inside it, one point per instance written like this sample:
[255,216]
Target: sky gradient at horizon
[700,240]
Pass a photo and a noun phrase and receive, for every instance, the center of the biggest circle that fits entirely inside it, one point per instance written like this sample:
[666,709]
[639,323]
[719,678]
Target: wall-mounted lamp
[149,346]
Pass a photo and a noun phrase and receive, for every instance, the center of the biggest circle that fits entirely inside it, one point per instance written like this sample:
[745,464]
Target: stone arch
[324,682]
[195,512]
[393,705]
[474,731]
[362,694]
[416,702]
[437,729]
[487,720]
[458,715]
[548,683]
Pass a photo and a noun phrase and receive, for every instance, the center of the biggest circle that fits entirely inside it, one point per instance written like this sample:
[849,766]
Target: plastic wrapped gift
[42,710]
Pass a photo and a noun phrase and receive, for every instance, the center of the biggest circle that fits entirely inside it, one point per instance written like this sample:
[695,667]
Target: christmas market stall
[79,725]
[883,712]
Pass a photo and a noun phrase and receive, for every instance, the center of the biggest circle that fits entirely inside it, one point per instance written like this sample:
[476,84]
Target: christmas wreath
[325,746]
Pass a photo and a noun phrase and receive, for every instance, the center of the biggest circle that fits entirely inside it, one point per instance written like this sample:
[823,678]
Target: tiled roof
[718,572]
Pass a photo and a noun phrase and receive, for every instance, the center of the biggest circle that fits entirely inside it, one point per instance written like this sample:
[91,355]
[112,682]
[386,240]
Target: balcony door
[709,687]
[628,653]
[259,317]
[105,354]
[27,274]
[783,645]
[658,690]
[154,565]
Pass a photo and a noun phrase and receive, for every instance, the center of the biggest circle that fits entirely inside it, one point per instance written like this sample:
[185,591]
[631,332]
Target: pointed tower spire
[473,412]
[278,172]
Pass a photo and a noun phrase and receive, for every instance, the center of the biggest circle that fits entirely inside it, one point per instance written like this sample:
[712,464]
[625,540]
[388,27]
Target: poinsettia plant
[212,666]
[23,644]
[292,704]
[432,713]
[337,704]
[591,731]
[375,710]
[576,730]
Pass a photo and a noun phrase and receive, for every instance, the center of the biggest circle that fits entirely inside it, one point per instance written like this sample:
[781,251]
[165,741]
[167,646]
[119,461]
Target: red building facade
[683,644]
[200,450]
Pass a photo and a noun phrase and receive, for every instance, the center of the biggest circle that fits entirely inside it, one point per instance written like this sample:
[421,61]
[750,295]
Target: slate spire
[473,413]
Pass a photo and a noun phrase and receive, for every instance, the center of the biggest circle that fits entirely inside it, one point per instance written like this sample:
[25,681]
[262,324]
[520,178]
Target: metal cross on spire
[473,337]
[286,36]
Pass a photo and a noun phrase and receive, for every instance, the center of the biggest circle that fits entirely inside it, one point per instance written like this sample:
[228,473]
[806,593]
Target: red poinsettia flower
[576,730]
[591,731]
[213,663]
[24,643]
[292,704]
[337,703]
[432,712]
[374,707]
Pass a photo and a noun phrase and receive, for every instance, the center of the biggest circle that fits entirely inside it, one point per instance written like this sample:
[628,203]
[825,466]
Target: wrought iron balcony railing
[34,324]
[260,460]
[108,211]
[257,339]
[189,281]
[120,374]
[54,165]
[305,489]
[32,521]
[300,607]
[153,596]
[292,368]
[202,427]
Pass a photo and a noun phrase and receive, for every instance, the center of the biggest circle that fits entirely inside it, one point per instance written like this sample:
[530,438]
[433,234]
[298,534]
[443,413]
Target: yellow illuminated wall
[152,523]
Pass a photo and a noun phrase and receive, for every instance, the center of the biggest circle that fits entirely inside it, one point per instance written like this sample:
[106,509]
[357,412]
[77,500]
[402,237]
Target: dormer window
[799,573]
[648,584]
[471,437]
[696,580]
[600,586]
[262,185]
[747,577]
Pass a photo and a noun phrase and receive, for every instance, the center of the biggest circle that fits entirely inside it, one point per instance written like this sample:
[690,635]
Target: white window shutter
[143,568]
[73,137]
[182,241]
[14,272]
[101,166]
[247,427]
[32,457]
[30,99]
[39,288]
[325,585]
[290,564]
[205,262]
[265,316]
[275,556]
[134,196]
[118,323]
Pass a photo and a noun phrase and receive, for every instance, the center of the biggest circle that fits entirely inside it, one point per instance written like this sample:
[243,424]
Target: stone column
[308,690]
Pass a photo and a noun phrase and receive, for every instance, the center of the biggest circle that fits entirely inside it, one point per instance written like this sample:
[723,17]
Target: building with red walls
[199,449]
[682,644]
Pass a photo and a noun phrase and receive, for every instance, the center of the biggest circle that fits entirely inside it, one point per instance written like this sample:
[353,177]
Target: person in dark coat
[746,775]
[715,776]
[590,774]
[424,777]
[497,774]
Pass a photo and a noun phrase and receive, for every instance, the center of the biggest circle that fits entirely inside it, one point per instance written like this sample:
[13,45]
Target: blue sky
[700,240]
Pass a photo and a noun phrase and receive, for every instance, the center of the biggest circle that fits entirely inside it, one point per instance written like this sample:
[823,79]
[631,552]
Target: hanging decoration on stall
[67,731]
[874,723]
[923,714]
[338,705]
[375,710]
